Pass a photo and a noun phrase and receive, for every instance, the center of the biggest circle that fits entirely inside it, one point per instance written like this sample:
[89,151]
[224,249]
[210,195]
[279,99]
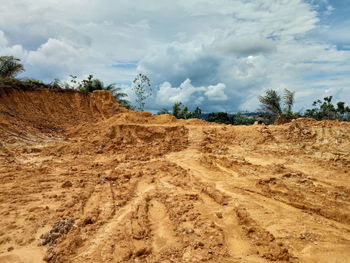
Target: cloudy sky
[218,55]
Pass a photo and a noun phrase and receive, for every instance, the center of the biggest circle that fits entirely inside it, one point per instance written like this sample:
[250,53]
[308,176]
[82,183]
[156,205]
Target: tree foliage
[234,119]
[279,106]
[10,66]
[143,90]
[288,98]
[91,84]
[271,102]
[180,111]
[326,110]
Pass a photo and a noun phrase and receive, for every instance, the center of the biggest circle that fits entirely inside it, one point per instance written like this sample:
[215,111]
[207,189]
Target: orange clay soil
[85,180]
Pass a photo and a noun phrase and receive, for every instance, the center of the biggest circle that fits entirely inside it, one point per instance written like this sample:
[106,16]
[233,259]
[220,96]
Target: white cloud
[216,92]
[218,54]
[3,40]
[185,93]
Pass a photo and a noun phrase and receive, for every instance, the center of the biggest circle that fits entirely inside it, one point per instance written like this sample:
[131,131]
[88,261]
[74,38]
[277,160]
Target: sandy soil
[84,180]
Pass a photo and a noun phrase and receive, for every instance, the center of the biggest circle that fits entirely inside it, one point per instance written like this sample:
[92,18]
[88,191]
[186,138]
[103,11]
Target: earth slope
[85,180]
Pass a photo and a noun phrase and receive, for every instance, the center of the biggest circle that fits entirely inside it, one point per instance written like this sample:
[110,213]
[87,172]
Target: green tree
[86,85]
[180,111]
[197,112]
[90,84]
[10,66]
[220,117]
[176,112]
[143,90]
[325,110]
[272,102]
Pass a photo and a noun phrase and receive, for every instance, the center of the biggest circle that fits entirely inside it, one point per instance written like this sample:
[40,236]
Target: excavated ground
[84,180]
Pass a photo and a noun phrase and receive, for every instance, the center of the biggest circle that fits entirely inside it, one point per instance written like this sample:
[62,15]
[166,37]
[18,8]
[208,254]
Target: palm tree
[10,66]
[271,102]
[119,95]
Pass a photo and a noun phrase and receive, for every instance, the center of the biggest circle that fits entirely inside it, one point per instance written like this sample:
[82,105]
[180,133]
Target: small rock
[141,252]
[218,214]
[188,230]
[67,184]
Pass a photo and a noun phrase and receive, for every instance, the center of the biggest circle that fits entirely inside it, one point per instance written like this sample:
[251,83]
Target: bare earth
[84,180]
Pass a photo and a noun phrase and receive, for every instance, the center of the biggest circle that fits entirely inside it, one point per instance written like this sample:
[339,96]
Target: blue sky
[218,55]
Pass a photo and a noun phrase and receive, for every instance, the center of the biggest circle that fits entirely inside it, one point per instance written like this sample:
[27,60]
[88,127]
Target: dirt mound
[24,112]
[85,180]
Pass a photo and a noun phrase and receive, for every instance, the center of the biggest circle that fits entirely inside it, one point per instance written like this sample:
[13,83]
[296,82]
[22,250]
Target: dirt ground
[84,180]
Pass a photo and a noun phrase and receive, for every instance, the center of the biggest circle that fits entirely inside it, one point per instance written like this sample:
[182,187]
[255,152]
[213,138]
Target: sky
[219,55]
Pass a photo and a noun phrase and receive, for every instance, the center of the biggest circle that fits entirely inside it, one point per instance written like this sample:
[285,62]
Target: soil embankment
[85,180]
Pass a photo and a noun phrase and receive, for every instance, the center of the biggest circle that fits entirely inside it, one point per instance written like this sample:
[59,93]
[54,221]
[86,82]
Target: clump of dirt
[114,185]
[59,229]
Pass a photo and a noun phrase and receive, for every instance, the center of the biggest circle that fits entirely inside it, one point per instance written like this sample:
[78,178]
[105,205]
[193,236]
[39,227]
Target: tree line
[274,106]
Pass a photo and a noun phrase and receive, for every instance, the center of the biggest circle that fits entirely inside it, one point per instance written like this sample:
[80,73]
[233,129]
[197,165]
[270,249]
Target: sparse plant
[32,81]
[143,90]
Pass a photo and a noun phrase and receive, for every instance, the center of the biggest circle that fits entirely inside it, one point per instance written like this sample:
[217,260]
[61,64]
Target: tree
[120,96]
[176,109]
[271,102]
[10,66]
[143,90]
[288,98]
[325,110]
[197,112]
[180,111]
[86,85]
[56,84]
[220,117]
[90,84]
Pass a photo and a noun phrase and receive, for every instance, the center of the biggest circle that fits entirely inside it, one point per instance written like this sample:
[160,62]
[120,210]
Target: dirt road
[83,180]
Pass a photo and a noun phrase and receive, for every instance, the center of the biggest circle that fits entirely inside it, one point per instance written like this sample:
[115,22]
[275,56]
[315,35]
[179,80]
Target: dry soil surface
[84,180]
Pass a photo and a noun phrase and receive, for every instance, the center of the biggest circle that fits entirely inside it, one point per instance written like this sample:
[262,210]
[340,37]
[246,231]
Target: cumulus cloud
[185,93]
[217,54]
[189,94]
[216,92]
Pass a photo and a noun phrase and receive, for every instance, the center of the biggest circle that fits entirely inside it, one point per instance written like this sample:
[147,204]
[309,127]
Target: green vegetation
[180,111]
[32,81]
[280,107]
[274,107]
[90,84]
[234,119]
[10,66]
[325,110]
